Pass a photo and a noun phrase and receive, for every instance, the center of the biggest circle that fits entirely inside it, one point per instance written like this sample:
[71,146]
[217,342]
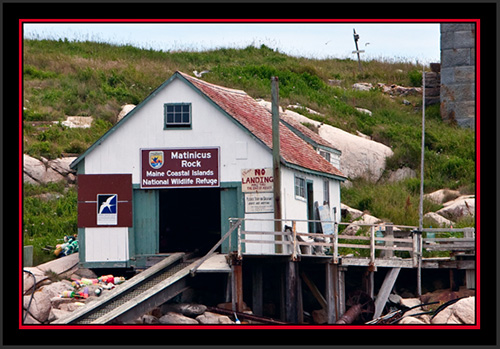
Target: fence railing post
[239,241]
[335,243]
[229,237]
[294,239]
[372,245]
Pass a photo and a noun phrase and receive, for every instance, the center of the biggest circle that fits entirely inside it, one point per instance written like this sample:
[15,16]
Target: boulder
[361,157]
[40,306]
[36,172]
[438,220]
[459,208]
[442,195]
[77,121]
[362,86]
[349,211]
[461,312]
[56,288]
[411,320]
[364,111]
[56,314]
[186,309]
[28,279]
[127,108]
[148,319]
[47,171]
[353,228]
[212,318]
[171,318]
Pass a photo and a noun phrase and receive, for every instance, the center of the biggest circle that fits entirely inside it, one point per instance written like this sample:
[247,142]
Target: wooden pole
[331,293]
[276,158]
[237,285]
[356,38]
[385,291]
[257,288]
[291,292]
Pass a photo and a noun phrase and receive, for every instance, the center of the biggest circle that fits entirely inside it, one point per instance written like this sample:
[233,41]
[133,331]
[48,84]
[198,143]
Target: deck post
[237,285]
[257,288]
[291,292]
[389,233]
[332,293]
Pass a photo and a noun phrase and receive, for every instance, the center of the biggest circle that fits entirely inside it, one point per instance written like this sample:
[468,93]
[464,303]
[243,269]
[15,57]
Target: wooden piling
[291,292]
[257,289]
[237,285]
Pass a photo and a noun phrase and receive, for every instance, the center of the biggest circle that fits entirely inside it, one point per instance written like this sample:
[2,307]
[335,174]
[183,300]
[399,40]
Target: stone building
[458,68]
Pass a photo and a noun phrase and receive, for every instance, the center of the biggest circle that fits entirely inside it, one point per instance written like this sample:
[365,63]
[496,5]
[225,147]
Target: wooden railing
[381,241]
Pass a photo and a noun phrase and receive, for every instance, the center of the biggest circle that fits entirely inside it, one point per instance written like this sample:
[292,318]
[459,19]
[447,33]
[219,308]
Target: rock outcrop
[361,157]
[48,171]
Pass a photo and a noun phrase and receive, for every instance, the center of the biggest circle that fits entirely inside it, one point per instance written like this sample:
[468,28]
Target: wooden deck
[377,246]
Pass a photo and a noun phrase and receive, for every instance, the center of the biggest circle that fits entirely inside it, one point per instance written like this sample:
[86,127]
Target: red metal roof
[258,120]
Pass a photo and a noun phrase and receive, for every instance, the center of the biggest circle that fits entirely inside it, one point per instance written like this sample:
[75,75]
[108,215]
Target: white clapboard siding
[106,244]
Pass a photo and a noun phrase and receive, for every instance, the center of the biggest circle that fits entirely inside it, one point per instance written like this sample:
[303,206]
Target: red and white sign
[180,168]
[256,180]
[104,200]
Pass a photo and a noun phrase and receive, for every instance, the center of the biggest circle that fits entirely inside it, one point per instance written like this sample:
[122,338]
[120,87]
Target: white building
[177,161]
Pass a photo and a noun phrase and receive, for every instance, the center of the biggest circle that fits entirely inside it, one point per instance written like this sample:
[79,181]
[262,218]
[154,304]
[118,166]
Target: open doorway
[189,219]
[310,206]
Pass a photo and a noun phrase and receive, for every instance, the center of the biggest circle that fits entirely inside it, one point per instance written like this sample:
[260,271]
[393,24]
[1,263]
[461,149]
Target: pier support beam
[292,292]
[236,285]
[257,289]
[385,290]
[335,292]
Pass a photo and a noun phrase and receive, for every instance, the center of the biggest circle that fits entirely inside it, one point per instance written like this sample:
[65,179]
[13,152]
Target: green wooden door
[146,221]
[231,206]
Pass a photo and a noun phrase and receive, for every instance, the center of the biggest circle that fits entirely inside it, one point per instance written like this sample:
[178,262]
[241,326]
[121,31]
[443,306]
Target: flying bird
[200,74]
[106,204]
[367,44]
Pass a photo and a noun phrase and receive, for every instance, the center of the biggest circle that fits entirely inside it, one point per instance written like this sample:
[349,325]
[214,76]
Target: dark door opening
[310,206]
[189,219]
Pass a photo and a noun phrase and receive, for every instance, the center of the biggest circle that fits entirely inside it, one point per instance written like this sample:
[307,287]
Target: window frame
[298,188]
[177,125]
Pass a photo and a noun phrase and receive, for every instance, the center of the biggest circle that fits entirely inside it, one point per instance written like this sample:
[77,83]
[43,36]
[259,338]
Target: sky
[414,42]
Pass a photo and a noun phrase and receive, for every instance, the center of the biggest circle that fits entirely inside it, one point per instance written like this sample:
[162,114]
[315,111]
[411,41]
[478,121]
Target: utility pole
[276,156]
[358,51]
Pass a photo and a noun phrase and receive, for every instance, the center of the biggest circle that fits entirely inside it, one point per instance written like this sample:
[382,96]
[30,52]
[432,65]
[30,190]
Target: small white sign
[255,180]
[259,203]
[107,209]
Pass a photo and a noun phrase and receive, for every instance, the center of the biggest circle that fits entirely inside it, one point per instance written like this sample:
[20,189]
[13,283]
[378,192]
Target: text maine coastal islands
[188,174]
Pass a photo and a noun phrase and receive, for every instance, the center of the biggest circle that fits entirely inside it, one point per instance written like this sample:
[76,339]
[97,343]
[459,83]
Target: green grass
[46,222]
[64,78]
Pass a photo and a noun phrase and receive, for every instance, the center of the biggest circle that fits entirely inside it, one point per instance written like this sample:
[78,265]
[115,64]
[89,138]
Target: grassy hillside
[63,78]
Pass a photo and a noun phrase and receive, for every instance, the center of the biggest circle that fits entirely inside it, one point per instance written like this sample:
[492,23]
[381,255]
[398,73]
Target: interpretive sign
[180,168]
[259,203]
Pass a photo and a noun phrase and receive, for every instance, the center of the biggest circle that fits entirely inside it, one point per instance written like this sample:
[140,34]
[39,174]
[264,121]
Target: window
[177,115]
[326,192]
[325,154]
[300,187]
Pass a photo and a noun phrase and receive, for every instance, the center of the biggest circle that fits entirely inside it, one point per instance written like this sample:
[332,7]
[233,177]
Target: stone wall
[458,63]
